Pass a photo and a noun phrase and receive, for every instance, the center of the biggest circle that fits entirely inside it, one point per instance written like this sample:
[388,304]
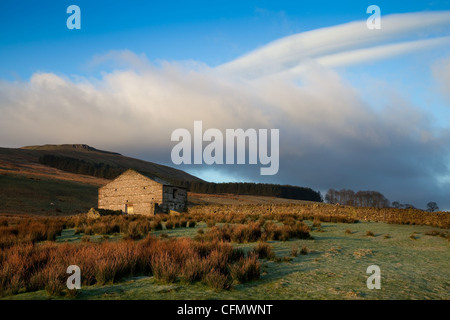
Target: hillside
[64,179]
[29,187]
[234,199]
[26,161]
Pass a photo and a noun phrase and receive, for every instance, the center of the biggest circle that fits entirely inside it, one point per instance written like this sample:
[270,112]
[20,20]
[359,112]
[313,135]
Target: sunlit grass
[334,268]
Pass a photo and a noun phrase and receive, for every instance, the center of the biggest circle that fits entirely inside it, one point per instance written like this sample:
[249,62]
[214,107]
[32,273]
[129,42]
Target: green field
[335,268]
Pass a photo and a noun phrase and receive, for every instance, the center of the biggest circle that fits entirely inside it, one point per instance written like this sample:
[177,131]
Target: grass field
[22,194]
[413,266]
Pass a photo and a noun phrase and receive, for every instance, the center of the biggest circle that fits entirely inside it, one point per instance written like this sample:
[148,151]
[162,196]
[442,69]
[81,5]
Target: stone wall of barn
[174,198]
[132,193]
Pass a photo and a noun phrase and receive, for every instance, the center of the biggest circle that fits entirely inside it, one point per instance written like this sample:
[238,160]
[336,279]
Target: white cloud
[381,52]
[339,42]
[329,135]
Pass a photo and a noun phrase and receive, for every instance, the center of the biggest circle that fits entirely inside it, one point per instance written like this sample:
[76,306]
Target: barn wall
[133,189]
[177,203]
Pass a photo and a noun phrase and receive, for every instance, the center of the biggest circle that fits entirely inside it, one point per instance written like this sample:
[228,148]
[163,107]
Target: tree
[330,197]
[432,206]
[396,204]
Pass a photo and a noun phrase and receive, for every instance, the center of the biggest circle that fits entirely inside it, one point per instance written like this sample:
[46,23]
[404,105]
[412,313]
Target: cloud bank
[329,135]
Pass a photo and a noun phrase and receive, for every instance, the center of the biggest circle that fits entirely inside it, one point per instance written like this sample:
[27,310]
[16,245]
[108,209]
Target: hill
[63,180]
[67,147]
[26,160]
[30,187]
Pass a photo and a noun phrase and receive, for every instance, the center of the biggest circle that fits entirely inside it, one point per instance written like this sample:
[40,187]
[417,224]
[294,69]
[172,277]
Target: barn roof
[156,179]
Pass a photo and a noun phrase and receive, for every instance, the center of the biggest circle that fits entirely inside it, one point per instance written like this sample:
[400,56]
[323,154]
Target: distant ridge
[78,147]
[29,159]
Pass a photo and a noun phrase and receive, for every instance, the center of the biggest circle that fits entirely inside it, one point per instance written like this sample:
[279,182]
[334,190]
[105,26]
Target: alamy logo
[74,20]
[74,280]
[374,281]
[213,153]
[374,21]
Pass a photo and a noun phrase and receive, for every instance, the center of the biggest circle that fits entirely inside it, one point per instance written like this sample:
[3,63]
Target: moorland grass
[31,254]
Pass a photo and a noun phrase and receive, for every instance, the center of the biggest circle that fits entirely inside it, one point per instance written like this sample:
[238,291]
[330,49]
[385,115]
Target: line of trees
[358,199]
[431,206]
[398,205]
[261,189]
[99,170]
[369,199]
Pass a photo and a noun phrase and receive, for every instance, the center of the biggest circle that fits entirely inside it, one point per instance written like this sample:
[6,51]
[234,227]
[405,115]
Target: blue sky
[356,108]
[213,32]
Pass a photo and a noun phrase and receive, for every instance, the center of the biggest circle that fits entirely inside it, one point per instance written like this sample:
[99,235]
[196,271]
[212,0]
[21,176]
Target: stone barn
[135,193]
